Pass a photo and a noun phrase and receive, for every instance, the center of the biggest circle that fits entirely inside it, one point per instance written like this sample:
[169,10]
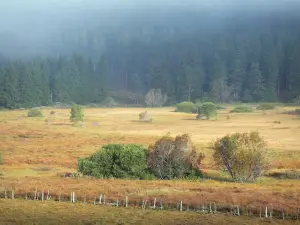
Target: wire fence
[157,204]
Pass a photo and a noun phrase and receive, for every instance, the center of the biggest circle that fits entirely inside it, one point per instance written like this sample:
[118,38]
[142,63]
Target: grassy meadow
[38,151]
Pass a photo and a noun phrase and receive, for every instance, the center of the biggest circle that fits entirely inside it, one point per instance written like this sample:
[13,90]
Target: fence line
[206,207]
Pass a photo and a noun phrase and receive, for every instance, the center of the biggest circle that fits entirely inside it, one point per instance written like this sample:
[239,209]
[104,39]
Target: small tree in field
[171,158]
[244,155]
[155,98]
[208,110]
[77,114]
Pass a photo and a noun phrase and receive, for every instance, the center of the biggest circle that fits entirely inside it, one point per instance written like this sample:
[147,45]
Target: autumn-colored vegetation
[37,155]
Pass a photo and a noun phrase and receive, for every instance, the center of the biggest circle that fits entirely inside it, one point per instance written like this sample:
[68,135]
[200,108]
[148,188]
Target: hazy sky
[27,23]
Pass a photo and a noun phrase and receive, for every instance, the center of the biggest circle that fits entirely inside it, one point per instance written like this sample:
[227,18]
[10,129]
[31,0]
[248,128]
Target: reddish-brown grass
[34,153]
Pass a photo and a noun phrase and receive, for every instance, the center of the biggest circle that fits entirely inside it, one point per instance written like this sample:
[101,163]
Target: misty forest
[82,55]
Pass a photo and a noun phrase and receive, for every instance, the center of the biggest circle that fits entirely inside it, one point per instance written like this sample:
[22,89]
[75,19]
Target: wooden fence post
[117,202]
[26,195]
[210,209]
[161,205]
[266,212]
[59,196]
[260,212]
[126,201]
[5,194]
[154,203]
[12,194]
[42,195]
[35,194]
[215,208]
[238,210]
[180,206]
[283,214]
[104,199]
[143,202]
[100,199]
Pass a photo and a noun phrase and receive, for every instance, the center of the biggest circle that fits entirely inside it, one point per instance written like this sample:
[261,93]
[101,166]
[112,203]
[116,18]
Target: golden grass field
[35,153]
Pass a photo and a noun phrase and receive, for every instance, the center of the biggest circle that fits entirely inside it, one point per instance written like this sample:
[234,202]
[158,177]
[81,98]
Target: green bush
[77,114]
[207,110]
[265,106]
[242,109]
[243,155]
[187,107]
[34,113]
[118,161]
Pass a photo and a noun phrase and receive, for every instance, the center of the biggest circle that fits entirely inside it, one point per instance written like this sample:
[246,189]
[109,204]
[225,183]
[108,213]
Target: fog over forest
[85,50]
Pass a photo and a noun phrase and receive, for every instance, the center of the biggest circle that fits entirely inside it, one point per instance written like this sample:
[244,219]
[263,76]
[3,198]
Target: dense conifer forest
[249,55]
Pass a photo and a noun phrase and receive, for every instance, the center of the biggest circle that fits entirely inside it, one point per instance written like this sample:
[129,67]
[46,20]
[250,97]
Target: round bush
[115,160]
[34,113]
[187,107]
[208,110]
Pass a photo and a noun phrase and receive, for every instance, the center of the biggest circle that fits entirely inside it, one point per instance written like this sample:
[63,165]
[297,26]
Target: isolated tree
[174,157]
[77,114]
[155,98]
[207,110]
[243,155]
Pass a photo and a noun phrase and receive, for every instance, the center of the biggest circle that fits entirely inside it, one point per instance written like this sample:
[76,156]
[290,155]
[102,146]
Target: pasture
[38,151]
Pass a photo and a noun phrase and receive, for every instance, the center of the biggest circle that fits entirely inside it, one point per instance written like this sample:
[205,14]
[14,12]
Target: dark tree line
[241,57]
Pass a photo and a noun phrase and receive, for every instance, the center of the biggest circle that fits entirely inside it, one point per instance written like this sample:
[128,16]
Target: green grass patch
[242,109]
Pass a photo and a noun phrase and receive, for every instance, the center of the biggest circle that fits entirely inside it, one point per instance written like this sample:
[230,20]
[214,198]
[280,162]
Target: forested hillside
[223,55]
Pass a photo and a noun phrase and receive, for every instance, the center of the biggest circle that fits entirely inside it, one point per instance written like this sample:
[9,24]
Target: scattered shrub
[277,122]
[171,158]
[187,107]
[52,112]
[77,114]
[242,109]
[243,155]
[109,102]
[145,117]
[265,106]
[118,161]
[34,113]
[207,110]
